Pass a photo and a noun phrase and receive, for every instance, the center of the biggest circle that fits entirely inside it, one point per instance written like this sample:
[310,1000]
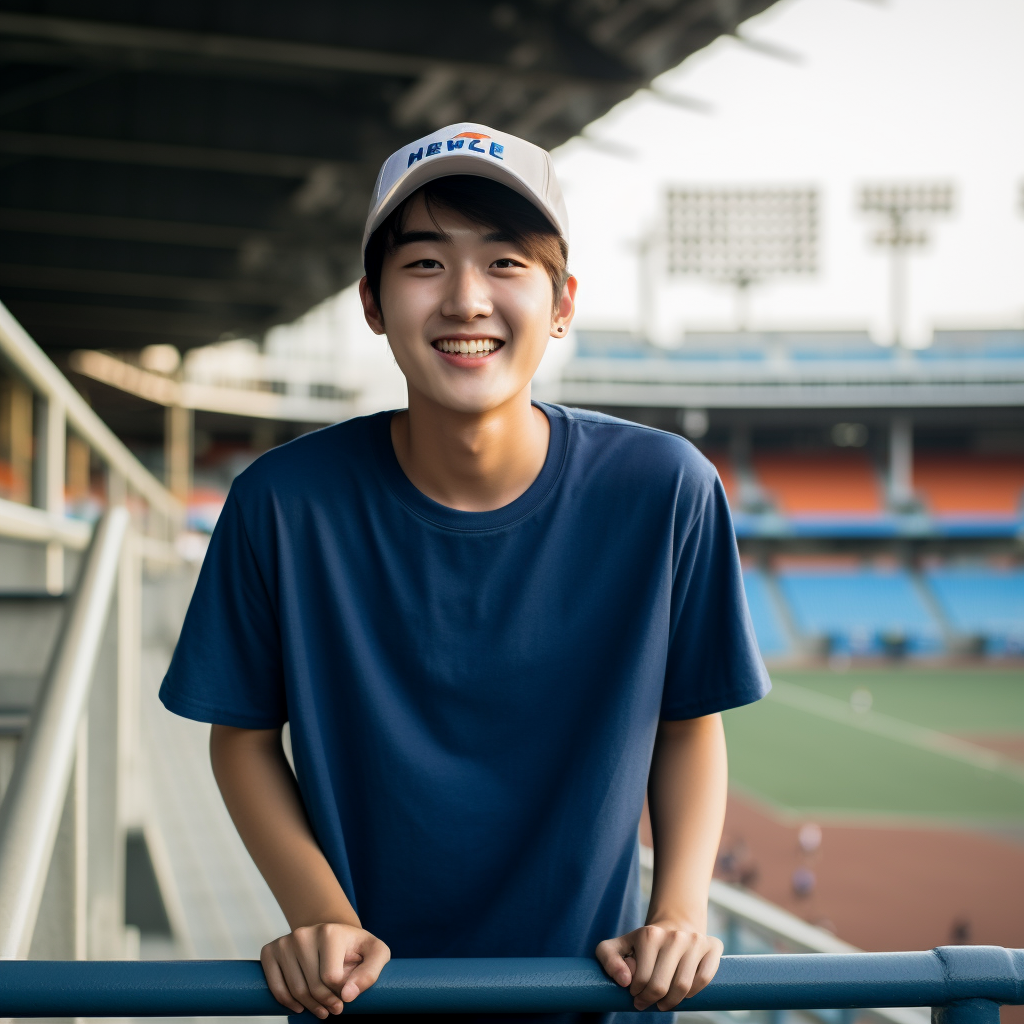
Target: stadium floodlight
[902,205]
[742,236]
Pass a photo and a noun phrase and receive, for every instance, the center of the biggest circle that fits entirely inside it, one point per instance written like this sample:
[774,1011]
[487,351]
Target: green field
[806,749]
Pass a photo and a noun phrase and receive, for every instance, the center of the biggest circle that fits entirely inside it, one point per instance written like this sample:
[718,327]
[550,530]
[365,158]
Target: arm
[328,958]
[672,956]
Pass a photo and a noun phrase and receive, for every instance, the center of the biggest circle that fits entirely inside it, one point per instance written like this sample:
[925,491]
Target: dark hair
[481,201]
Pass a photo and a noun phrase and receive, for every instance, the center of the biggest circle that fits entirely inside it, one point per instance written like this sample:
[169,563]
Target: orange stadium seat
[956,484]
[721,461]
[834,483]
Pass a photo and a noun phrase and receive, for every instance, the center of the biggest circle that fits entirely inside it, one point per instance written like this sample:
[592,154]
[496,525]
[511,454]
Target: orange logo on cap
[471,135]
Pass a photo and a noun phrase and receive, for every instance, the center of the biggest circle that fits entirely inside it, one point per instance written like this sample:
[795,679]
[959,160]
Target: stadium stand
[612,345]
[722,345]
[835,483]
[727,474]
[970,486]
[832,345]
[860,610]
[771,634]
[983,601]
[1007,344]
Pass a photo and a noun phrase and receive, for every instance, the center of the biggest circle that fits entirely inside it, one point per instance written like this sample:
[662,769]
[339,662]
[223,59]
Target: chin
[476,403]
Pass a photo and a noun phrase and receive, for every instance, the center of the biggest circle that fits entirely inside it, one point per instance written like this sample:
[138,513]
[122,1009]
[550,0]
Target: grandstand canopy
[182,172]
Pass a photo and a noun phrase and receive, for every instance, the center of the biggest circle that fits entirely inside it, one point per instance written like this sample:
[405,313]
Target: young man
[491,625]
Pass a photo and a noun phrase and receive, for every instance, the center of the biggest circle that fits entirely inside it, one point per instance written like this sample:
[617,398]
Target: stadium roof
[180,172]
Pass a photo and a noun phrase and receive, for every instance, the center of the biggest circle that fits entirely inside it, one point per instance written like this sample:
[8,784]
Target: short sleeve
[713,659]
[227,666]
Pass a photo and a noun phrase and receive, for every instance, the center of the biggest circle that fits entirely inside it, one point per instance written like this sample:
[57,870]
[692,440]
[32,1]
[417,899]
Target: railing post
[31,813]
[49,481]
[967,1011]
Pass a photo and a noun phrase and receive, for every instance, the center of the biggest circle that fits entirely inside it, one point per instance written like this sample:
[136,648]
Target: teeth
[476,347]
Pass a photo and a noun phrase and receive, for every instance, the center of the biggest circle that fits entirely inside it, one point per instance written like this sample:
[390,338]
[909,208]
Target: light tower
[903,206]
[742,236]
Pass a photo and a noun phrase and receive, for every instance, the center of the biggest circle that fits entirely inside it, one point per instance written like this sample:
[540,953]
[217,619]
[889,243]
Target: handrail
[30,360]
[23,522]
[972,978]
[32,806]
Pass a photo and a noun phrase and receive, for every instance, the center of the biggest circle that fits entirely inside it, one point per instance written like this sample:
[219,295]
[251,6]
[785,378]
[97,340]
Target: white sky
[884,91]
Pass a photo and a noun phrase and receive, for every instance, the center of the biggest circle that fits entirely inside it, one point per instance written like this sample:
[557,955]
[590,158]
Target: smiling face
[468,314]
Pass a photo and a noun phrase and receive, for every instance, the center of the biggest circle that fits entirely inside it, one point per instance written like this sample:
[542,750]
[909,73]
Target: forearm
[687,793]
[264,802]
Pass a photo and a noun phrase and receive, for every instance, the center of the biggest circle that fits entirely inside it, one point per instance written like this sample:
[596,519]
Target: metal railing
[76,786]
[35,799]
[66,407]
[963,984]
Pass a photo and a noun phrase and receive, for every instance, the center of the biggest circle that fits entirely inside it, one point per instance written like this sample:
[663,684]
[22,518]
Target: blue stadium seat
[771,636]
[1005,344]
[983,602]
[823,345]
[613,345]
[862,611]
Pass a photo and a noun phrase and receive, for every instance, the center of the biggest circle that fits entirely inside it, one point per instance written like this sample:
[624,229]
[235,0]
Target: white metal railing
[75,788]
[34,802]
[29,360]
[23,522]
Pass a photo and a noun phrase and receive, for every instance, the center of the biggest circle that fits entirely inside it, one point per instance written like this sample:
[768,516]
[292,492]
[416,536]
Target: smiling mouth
[474,348]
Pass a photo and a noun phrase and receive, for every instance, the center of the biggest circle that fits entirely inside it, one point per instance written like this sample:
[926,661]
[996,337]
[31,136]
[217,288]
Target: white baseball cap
[469,149]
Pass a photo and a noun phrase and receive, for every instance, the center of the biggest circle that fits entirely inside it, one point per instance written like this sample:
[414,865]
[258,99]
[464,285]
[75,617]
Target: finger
[295,979]
[309,954]
[275,981]
[335,961]
[614,955]
[663,977]
[375,956]
[706,969]
[684,975]
[647,942]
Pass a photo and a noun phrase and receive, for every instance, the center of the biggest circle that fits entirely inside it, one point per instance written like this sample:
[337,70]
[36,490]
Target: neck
[475,462]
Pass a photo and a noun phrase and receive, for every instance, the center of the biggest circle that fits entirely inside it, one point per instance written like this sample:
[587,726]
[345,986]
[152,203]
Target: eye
[506,264]
[427,264]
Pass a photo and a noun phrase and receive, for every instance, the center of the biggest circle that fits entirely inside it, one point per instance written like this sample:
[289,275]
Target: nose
[467,297]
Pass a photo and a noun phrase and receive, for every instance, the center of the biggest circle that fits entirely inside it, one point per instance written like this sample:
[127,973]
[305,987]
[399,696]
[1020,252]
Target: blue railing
[964,985]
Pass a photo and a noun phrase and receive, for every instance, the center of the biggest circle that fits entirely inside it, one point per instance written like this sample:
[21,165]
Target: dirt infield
[886,887]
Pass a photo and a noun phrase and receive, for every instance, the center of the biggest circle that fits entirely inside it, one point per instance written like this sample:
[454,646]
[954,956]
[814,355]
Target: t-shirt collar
[456,519]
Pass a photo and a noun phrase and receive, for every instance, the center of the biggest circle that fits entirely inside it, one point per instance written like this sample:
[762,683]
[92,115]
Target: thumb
[616,957]
[375,956]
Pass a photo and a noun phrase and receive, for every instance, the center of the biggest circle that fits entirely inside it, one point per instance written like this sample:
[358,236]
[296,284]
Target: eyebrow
[443,238]
[408,237]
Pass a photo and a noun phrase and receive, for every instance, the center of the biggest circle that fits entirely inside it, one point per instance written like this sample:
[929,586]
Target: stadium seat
[861,610]
[727,473]
[969,485]
[722,345]
[835,483]
[612,345]
[771,636]
[985,602]
[1006,344]
[832,345]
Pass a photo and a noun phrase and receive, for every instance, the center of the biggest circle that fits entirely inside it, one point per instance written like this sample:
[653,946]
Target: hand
[663,962]
[321,967]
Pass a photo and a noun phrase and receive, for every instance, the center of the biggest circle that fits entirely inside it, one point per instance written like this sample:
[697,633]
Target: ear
[565,309]
[373,315]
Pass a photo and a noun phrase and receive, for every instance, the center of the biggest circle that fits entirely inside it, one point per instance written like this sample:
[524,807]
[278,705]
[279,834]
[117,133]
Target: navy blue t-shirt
[473,696]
